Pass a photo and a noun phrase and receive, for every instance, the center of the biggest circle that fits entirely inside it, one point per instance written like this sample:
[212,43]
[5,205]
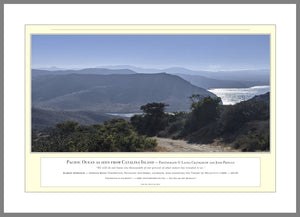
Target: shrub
[116,135]
[253,142]
[204,111]
[234,117]
[152,121]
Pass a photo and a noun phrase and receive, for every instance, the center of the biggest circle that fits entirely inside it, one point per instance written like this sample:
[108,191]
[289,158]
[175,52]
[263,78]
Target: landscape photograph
[150,93]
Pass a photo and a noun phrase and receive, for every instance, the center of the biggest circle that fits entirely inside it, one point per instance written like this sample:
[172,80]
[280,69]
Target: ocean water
[125,115]
[231,96]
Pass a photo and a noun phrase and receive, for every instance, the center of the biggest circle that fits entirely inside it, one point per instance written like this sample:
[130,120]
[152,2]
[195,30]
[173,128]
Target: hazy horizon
[54,67]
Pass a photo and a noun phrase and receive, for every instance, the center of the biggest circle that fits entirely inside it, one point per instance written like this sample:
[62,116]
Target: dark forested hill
[261,98]
[47,118]
[112,93]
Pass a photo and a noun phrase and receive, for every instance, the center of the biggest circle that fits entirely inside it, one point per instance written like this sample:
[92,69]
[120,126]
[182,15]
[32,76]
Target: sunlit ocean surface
[231,96]
[126,115]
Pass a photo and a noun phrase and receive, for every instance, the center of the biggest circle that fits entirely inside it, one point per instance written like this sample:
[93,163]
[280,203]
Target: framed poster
[75,135]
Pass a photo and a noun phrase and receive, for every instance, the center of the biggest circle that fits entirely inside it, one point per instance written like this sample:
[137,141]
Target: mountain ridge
[203,79]
[112,93]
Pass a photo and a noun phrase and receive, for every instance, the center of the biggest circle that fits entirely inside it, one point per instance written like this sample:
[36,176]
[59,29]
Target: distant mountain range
[258,75]
[112,93]
[51,68]
[209,83]
[94,71]
[203,79]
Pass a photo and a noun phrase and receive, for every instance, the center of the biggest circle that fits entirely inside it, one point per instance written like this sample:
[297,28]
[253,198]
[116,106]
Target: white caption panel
[139,172]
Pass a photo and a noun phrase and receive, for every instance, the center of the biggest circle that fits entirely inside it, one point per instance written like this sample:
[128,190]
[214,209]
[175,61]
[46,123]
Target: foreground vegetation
[116,135]
[243,126]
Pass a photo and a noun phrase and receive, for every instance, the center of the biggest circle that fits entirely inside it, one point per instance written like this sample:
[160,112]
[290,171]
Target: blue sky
[198,52]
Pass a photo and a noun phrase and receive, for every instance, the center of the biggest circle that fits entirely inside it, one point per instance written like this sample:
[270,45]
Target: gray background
[136,2]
